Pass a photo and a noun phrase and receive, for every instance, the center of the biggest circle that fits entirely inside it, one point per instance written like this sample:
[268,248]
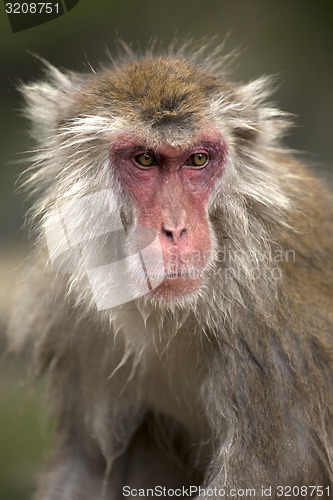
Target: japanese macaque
[180,295]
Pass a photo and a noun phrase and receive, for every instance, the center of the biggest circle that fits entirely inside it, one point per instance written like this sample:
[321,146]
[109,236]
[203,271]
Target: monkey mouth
[177,284]
[173,276]
[192,274]
[177,275]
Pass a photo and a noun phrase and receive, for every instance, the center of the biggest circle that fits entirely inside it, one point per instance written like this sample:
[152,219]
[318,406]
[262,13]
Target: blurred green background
[290,39]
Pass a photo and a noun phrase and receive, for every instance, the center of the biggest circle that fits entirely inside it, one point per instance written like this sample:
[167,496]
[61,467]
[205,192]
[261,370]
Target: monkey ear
[259,120]
[48,102]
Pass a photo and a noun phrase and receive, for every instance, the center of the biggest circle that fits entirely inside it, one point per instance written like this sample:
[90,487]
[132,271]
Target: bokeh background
[290,39]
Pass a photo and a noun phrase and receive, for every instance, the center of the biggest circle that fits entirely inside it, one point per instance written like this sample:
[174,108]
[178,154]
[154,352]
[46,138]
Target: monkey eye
[146,159]
[197,160]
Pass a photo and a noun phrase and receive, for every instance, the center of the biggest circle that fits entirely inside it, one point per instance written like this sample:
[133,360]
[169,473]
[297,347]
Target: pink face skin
[171,197]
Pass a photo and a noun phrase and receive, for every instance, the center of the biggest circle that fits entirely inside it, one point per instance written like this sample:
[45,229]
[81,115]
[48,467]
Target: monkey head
[169,139]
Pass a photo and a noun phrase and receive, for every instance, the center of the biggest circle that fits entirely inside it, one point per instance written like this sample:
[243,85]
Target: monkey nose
[174,233]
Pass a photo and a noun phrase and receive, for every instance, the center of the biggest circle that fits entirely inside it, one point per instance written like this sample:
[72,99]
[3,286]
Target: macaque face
[170,188]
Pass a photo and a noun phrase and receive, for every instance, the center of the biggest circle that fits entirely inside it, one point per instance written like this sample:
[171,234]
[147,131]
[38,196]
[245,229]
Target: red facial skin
[172,198]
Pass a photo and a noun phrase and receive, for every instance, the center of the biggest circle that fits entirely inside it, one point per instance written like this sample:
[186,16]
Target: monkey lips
[179,280]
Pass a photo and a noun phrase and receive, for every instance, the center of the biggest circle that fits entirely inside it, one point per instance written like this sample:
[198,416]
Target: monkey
[179,296]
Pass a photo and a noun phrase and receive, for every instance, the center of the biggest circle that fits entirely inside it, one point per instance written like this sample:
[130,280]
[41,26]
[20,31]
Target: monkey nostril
[167,232]
[174,234]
